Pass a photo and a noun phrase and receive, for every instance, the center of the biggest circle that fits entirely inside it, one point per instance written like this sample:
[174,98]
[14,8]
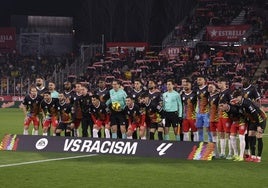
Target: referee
[172,107]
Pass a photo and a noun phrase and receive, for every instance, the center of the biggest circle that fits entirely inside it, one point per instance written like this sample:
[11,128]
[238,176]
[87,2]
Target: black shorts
[118,118]
[155,125]
[253,126]
[64,126]
[172,118]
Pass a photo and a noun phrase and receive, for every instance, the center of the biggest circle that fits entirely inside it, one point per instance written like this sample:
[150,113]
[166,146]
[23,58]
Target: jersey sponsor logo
[102,147]
[163,148]
[41,143]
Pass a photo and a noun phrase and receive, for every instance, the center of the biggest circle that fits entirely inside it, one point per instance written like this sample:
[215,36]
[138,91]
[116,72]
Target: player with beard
[202,116]
[189,100]
[41,88]
[68,91]
[224,125]
[152,116]
[65,116]
[76,108]
[213,101]
[85,103]
[136,119]
[102,89]
[153,92]
[31,109]
[100,116]
[49,108]
[250,92]
[181,90]
[155,96]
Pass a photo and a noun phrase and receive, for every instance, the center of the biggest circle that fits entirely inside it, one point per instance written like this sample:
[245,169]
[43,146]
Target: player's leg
[26,124]
[76,127]
[213,130]
[153,127]
[84,126]
[130,130]
[68,130]
[95,131]
[46,125]
[167,126]
[60,128]
[122,123]
[206,126]
[160,131]
[233,142]
[241,131]
[222,139]
[142,132]
[185,129]
[260,141]
[152,132]
[252,140]
[227,128]
[114,125]
[199,126]
[54,124]
[36,125]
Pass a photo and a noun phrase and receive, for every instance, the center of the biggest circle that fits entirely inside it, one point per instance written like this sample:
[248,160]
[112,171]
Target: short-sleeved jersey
[236,114]
[155,96]
[202,100]
[76,107]
[133,114]
[32,104]
[85,102]
[213,101]
[41,91]
[69,94]
[189,101]
[254,113]
[251,93]
[136,95]
[101,93]
[51,108]
[99,112]
[65,110]
[224,98]
[153,112]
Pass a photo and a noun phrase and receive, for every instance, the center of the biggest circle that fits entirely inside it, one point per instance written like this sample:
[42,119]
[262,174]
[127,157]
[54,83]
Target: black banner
[142,148]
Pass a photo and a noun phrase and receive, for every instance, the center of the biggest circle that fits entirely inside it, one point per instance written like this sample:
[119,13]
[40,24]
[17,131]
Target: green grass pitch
[40,169]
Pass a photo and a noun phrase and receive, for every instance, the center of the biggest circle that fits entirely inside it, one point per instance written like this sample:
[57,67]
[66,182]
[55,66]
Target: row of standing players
[223,113]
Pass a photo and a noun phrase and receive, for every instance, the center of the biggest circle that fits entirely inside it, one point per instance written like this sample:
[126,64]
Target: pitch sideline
[46,160]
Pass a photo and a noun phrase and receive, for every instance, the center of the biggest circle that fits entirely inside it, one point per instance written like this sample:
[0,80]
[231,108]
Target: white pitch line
[46,160]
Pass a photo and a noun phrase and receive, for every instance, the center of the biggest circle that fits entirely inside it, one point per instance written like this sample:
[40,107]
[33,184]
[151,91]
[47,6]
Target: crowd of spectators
[207,13]
[231,62]
[215,61]
[17,72]
[212,61]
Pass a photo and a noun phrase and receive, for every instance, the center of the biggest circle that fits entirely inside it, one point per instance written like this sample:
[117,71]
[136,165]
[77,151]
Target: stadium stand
[189,59]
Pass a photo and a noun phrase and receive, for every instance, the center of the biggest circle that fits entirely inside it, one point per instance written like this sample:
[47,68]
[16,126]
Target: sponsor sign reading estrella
[142,148]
